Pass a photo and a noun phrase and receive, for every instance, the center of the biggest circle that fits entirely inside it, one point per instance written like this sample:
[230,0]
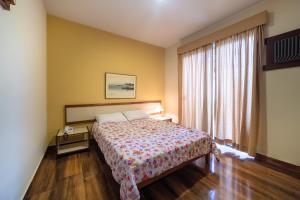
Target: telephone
[69,129]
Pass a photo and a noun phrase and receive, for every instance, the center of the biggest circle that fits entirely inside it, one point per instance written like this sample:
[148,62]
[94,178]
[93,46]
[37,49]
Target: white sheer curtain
[220,89]
[197,80]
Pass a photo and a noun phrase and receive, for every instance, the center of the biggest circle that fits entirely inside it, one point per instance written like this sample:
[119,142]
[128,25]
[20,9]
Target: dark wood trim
[282,35]
[100,104]
[5,4]
[284,167]
[269,42]
[281,66]
[112,104]
[166,173]
[80,122]
[124,75]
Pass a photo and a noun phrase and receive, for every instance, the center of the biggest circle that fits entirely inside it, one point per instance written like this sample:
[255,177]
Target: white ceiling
[158,22]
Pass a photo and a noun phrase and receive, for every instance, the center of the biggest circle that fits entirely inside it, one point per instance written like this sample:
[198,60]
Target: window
[219,88]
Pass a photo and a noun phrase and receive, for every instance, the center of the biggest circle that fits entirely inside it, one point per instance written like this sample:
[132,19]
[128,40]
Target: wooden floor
[85,175]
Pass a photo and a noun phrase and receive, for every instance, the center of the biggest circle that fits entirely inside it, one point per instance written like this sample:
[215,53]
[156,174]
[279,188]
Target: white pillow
[112,117]
[135,114]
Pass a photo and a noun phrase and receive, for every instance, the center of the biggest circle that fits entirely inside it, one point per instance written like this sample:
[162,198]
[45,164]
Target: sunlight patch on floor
[228,149]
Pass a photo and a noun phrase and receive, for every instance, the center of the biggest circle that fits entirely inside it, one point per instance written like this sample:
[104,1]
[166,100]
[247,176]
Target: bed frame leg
[207,162]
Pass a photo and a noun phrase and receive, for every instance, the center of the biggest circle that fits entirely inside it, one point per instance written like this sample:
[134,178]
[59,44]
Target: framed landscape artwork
[120,86]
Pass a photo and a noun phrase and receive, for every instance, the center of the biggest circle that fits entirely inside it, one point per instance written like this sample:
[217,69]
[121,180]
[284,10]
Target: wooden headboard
[85,113]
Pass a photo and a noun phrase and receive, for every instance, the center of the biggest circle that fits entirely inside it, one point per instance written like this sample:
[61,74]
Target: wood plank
[284,167]
[85,175]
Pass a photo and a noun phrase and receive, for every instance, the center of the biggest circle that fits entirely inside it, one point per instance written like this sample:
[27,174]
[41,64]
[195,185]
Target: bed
[140,150]
[144,150]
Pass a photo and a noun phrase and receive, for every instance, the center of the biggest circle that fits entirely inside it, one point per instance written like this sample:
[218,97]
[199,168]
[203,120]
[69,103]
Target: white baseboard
[32,176]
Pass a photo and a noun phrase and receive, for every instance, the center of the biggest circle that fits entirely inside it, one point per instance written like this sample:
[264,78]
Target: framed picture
[120,86]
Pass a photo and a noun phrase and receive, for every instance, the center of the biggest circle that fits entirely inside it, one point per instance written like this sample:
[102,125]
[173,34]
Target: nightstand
[75,141]
[162,118]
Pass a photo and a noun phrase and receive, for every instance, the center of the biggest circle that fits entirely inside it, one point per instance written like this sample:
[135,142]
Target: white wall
[282,133]
[23,128]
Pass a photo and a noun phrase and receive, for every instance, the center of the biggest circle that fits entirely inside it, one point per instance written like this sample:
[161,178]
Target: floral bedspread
[141,149]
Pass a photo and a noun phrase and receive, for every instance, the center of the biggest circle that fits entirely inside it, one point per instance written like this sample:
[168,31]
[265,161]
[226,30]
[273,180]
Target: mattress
[142,149]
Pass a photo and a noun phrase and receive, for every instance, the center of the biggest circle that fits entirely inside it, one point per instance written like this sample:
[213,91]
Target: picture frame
[120,86]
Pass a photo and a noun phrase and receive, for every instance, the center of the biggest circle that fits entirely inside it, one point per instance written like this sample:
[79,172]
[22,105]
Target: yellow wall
[78,57]
[280,132]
